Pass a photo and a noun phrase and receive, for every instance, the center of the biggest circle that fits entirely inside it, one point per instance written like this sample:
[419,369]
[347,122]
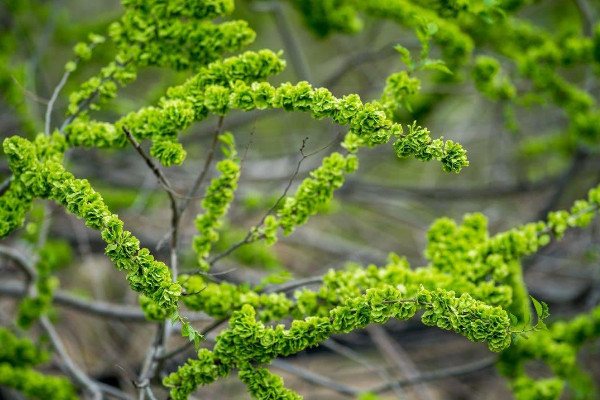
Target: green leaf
[438,65]
[538,307]
[404,55]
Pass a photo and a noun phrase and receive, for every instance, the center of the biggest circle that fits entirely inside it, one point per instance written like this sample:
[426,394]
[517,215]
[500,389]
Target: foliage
[473,281]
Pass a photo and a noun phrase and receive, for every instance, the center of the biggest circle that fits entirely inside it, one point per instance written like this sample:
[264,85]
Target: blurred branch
[94,308]
[316,378]
[460,370]
[394,353]
[287,36]
[351,391]
[24,263]
[357,60]
[587,17]
[5,185]
[200,179]
[355,356]
[79,376]
[52,100]
[286,287]
[362,188]
[575,167]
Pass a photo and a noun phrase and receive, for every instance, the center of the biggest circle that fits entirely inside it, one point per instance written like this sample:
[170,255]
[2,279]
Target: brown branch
[162,179]
[460,370]
[251,236]
[394,353]
[79,376]
[200,179]
[214,325]
[316,378]
[93,308]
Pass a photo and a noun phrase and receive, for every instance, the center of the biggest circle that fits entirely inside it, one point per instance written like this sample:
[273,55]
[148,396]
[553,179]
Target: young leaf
[404,55]
[438,65]
[538,307]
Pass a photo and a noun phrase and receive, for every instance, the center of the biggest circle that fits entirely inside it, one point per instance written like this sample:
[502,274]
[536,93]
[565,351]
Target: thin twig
[50,106]
[214,325]
[200,179]
[163,329]
[78,375]
[85,103]
[162,179]
[29,93]
[251,235]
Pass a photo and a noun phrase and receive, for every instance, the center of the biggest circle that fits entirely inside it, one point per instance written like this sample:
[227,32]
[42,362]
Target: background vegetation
[532,146]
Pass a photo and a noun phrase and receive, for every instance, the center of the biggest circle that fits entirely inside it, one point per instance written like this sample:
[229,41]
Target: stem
[77,374]
[50,106]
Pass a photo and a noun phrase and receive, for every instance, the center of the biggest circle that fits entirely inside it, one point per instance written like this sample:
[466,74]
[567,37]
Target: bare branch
[393,352]
[50,106]
[25,264]
[77,374]
[316,378]
[200,179]
[288,37]
[214,325]
[251,235]
[460,370]
[162,179]
[94,308]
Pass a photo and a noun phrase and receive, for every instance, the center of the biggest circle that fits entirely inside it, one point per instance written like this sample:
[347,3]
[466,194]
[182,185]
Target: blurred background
[387,206]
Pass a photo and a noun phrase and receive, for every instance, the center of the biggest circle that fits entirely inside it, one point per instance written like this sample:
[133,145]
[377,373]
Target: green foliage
[249,341]
[19,352]
[218,196]
[35,385]
[472,283]
[17,357]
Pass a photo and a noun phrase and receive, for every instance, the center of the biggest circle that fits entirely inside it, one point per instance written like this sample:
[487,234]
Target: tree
[195,76]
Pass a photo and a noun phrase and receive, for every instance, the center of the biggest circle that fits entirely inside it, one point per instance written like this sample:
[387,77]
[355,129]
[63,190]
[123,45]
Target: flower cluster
[248,341]
[37,170]
[556,347]
[264,385]
[218,197]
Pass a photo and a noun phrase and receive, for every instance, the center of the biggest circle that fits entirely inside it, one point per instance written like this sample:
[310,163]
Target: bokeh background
[387,206]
